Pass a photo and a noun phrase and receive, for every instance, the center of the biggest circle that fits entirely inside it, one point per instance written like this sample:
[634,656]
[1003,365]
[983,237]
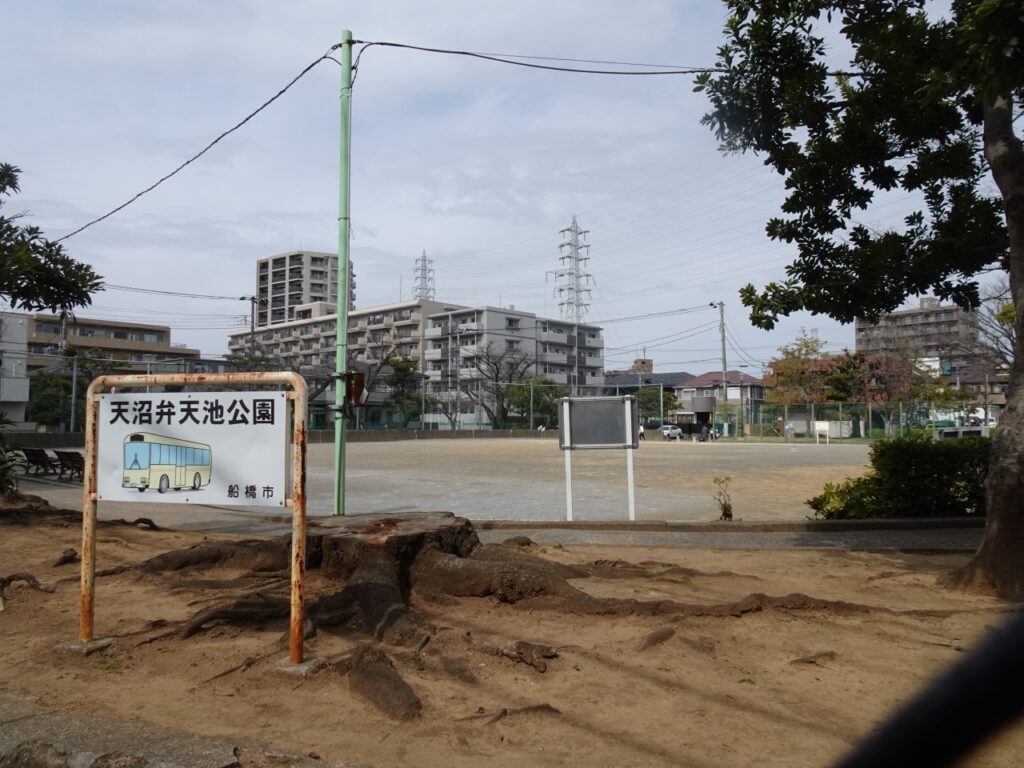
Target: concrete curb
[739,526]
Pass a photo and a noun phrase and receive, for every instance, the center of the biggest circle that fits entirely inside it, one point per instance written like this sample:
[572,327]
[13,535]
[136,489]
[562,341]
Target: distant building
[741,389]
[444,340]
[948,333]
[132,347]
[309,339]
[14,366]
[562,351]
[289,280]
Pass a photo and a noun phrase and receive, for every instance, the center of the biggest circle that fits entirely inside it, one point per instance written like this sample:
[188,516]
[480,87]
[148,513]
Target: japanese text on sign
[149,412]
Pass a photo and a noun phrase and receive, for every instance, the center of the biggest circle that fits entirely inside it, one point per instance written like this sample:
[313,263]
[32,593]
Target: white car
[671,432]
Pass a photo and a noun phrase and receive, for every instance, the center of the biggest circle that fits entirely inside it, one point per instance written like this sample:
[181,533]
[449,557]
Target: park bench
[39,462]
[71,462]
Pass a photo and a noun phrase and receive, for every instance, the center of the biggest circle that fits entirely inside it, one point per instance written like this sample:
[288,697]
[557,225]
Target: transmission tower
[572,277]
[423,287]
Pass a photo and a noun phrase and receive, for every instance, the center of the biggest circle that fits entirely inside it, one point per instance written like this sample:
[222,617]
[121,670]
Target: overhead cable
[204,150]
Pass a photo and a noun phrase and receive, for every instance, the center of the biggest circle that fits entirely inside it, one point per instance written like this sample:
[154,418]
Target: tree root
[248,610]
[374,677]
[490,718]
[521,651]
[28,578]
[139,522]
[67,556]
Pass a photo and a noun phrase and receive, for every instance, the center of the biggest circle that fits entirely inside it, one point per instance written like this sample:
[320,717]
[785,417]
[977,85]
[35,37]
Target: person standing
[642,438]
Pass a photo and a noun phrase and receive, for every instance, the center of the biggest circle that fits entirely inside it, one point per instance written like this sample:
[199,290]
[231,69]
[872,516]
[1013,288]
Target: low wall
[44,439]
[77,439]
[391,435]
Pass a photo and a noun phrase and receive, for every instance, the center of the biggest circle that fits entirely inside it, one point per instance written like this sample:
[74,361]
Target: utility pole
[253,301]
[344,233]
[74,388]
[423,287]
[721,332]
[572,292]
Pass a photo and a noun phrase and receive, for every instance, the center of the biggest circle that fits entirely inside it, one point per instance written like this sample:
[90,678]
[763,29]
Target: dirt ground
[789,685]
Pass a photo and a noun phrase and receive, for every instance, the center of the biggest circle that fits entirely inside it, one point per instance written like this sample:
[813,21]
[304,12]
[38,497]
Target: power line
[133,289]
[649,315]
[204,150]
[508,59]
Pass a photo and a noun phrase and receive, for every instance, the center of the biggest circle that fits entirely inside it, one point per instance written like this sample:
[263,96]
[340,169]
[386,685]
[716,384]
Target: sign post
[599,423]
[196,447]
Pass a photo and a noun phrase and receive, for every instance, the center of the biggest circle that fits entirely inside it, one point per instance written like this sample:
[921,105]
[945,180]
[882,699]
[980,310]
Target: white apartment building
[560,351]
[14,366]
[446,341]
[308,340]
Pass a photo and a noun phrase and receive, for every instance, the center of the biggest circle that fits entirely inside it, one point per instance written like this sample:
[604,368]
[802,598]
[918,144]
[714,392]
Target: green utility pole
[344,228]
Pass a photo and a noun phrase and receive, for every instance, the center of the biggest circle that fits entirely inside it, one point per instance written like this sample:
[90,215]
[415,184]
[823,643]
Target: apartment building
[132,345]
[463,343]
[287,281]
[308,340]
[13,366]
[947,333]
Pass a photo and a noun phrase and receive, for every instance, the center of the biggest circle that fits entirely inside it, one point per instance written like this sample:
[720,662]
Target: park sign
[594,423]
[598,422]
[220,448]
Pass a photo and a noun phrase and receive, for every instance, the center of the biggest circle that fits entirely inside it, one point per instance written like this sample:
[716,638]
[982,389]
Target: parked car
[671,432]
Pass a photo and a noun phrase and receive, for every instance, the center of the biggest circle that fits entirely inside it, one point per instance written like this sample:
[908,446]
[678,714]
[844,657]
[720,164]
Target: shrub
[912,477]
[855,497]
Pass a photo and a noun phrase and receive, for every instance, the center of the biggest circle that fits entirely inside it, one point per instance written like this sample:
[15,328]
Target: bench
[71,462]
[39,462]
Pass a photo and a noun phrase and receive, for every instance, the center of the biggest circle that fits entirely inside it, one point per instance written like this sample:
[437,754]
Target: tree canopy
[908,112]
[35,273]
[924,108]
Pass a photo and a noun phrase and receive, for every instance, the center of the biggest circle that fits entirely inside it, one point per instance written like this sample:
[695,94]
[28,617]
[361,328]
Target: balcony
[466,374]
[471,350]
[466,327]
[556,338]
[557,378]
[437,332]
[436,354]
[551,357]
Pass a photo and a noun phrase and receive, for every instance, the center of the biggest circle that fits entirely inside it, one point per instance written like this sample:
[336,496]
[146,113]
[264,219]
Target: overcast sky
[477,163]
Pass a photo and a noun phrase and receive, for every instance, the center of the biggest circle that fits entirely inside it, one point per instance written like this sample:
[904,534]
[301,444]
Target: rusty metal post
[86,599]
[298,504]
[300,399]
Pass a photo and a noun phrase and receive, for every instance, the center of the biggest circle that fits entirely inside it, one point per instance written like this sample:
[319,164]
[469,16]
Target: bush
[855,497]
[912,477]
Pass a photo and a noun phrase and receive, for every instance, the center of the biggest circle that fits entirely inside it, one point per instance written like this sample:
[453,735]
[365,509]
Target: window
[510,344]
[512,323]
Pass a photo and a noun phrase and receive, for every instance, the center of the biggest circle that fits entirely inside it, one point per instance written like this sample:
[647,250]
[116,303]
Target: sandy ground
[721,691]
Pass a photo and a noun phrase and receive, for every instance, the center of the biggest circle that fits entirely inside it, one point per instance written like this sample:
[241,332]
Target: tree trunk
[998,565]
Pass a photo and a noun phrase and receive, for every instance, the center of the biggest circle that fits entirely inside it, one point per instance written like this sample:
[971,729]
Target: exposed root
[374,677]
[752,603]
[490,718]
[249,610]
[657,637]
[520,651]
[139,522]
[28,578]
[67,556]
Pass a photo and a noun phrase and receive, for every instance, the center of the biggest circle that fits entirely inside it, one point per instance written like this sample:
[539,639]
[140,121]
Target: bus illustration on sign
[157,461]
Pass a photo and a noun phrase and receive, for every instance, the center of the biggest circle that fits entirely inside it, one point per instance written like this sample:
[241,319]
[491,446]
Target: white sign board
[223,448]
